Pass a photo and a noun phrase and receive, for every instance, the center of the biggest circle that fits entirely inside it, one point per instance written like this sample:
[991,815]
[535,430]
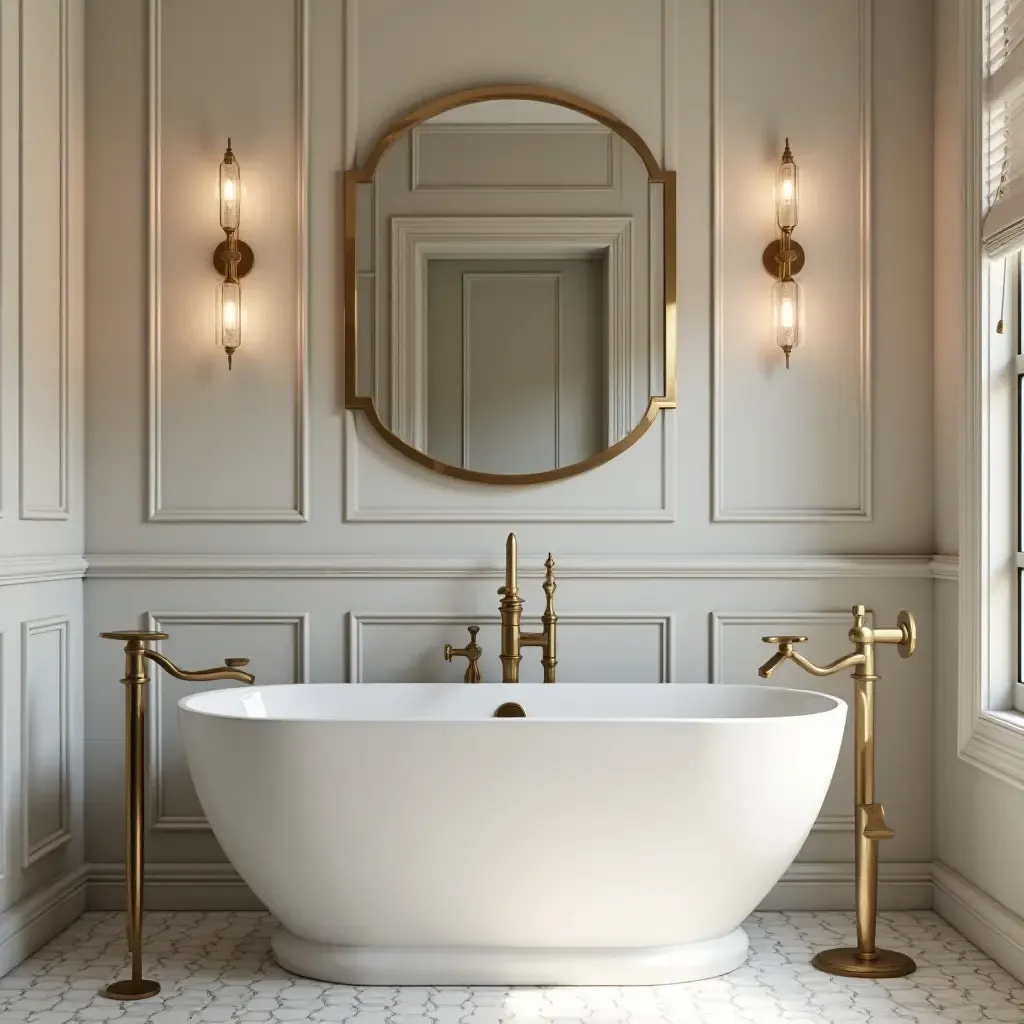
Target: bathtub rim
[831,706]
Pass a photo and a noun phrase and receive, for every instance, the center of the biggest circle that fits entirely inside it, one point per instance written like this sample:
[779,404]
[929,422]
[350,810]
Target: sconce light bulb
[230,192]
[229,317]
[787,315]
[787,192]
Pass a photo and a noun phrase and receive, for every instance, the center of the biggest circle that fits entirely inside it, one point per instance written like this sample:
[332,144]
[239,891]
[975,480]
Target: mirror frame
[364,174]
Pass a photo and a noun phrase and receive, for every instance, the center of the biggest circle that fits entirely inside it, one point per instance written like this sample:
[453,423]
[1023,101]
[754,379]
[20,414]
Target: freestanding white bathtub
[617,835]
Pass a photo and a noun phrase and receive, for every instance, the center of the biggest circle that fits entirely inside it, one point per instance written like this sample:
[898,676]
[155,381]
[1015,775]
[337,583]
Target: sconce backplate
[770,258]
[245,260]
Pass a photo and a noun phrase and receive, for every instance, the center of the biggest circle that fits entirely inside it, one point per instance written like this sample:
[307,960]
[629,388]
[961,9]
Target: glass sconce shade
[230,191]
[787,315]
[229,315]
[787,192]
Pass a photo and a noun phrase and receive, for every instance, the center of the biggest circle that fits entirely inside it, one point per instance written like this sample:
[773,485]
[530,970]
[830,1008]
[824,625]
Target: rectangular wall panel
[44,261]
[817,416]
[201,468]
[407,648]
[45,739]
[278,648]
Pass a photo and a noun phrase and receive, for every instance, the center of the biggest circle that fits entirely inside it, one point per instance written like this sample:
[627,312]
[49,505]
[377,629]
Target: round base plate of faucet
[132,989]
[849,963]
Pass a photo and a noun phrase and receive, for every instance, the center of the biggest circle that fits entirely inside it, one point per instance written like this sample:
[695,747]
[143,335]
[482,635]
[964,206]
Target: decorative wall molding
[605,567]
[17,570]
[35,850]
[40,917]
[806,885]
[156,512]
[357,620]
[945,567]
[863,511]
[411,511]
[62,508]
[988,924]
[415,241]
[159,821]
[772,621]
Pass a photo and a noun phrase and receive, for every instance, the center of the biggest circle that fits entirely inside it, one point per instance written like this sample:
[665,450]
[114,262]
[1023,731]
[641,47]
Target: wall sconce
[784,258]
[232,258]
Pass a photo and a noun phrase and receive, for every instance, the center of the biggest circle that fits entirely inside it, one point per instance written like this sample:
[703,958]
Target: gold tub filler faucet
[513,639]
[136,654]
[866,960]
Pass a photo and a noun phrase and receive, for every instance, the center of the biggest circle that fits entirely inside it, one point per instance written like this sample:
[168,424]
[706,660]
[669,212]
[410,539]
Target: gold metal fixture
[232,258]
[510,709]
[784,258]
[865,960]
[365,175]
[135,654]
[513,639]
[471,652]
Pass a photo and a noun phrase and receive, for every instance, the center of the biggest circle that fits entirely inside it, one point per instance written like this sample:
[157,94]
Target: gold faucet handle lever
[874,823]
[784,641]
[236,662]
[472,652]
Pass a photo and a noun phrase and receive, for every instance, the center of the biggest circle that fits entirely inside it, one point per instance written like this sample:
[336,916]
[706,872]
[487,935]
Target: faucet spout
[232,670]
[766,670]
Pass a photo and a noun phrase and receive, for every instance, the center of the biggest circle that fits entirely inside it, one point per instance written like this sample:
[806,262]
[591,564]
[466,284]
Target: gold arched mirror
[510,285]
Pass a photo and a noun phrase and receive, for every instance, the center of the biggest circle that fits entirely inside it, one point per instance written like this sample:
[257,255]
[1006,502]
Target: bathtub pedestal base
[368,965]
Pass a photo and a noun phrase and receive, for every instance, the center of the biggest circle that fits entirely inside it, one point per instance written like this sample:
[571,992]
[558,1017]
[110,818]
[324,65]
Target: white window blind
[1004,143]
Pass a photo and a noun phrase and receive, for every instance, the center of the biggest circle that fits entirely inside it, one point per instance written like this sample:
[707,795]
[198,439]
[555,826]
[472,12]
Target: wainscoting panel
[45,738]
[386,648]
[193,400]
[45,283]
[820,411]
[278,648]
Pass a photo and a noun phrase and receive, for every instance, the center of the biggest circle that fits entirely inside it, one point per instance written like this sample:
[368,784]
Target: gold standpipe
[510,608]
[135,654]
[471,652]
[865,960]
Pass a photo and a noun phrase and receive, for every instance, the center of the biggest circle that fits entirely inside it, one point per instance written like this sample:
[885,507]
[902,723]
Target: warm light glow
[787,314]
[229,315]
[787,192]
[230,191]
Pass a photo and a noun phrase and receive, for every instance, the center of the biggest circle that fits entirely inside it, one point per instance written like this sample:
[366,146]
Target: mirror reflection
[510,308]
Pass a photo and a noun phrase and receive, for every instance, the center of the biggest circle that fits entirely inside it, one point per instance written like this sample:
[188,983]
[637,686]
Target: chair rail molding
[299,512]
[157,819]
[61,508]
[608,567]
[665,621]
[987,739]
[34,851]
[864,509]
[16,570]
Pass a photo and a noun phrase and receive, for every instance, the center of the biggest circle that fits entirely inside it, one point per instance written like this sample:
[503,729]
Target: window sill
[996,746]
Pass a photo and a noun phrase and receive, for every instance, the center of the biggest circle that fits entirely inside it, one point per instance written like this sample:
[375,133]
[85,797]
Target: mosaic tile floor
[217,968]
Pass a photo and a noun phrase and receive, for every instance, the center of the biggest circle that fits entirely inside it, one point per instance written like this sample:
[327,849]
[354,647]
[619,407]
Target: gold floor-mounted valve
[865,960]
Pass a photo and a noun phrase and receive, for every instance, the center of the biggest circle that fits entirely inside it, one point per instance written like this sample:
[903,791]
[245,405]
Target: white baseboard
[993,928]
[830,886]
[35,920]
[217,887]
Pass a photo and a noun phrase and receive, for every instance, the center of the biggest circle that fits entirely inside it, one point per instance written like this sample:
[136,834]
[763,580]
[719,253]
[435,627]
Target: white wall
[767,501]
[42,883]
